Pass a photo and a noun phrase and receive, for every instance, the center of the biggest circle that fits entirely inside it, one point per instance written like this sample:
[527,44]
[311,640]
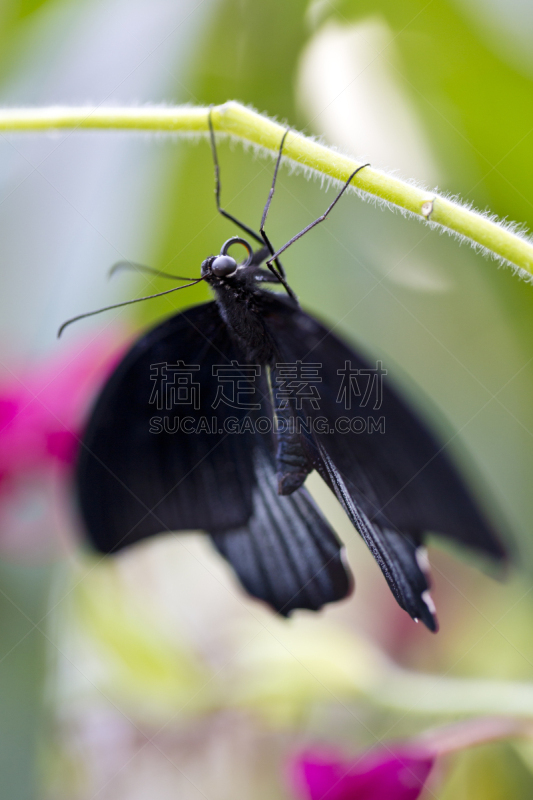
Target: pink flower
[43,408]
[380,774]
[396,772]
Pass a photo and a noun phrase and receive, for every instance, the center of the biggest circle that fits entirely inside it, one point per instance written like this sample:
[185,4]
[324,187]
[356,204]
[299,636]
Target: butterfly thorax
[241,304]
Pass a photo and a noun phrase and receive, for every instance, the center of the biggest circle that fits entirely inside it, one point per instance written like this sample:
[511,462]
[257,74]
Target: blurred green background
[93,665]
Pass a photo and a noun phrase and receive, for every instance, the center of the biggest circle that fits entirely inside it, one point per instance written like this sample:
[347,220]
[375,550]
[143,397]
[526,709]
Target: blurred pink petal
[43,409]
[381,774]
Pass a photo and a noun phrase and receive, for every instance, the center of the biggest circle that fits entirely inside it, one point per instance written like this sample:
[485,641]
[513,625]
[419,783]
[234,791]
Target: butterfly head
[223,266]
[216,269]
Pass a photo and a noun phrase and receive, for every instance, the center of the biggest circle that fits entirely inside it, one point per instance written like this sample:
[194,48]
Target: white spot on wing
[422,559]
[428,600]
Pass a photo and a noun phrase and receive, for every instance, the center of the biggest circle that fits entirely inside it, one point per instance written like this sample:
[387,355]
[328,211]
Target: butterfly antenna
[320,219]
[143,268]
[125,303]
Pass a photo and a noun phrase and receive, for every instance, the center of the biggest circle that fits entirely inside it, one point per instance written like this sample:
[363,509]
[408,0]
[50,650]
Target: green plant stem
[283,673]
[420,693]
[386,684]
[389,685]
[237,120]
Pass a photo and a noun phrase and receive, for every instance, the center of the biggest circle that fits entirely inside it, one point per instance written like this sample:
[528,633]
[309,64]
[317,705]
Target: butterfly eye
[223,265]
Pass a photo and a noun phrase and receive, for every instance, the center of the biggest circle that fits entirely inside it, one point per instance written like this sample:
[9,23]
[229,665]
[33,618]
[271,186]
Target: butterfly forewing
[398,473]
[138,474]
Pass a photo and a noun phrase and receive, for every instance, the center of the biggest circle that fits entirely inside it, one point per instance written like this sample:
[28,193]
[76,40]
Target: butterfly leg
[321,218]
[221,210]
[278,271]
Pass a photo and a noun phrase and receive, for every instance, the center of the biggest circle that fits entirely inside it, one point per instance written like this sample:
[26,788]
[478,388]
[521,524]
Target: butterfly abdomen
[292,464]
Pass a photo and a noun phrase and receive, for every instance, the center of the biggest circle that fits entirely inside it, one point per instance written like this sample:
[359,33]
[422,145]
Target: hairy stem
[237,120]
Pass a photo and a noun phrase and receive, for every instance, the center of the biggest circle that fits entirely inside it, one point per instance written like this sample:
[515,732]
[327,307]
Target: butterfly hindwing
[287,555]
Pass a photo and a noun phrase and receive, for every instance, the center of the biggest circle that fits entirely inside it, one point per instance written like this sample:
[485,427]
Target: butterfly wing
[142,471]
[394,479]
[286,555]
[139,472]
[398,554]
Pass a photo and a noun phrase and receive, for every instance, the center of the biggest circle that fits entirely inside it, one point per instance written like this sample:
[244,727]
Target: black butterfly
[140,473]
